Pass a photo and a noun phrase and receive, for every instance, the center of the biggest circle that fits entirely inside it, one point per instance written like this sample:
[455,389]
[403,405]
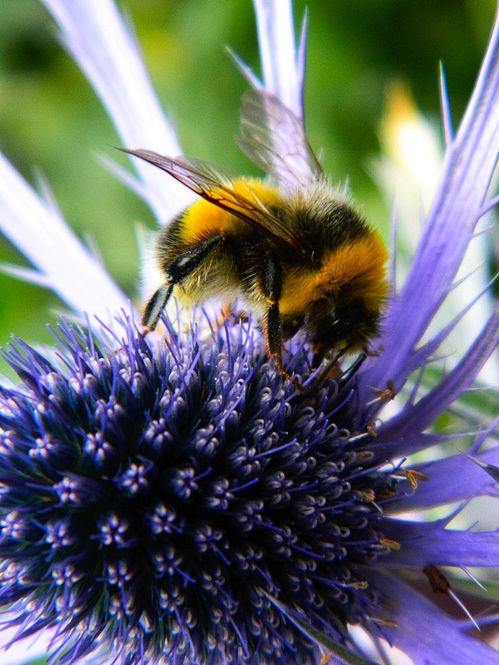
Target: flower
[178,500]
[152,501]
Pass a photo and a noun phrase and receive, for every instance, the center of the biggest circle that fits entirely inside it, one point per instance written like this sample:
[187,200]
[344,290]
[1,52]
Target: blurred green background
[51,120]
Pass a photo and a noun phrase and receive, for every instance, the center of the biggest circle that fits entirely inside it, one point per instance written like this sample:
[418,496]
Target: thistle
[178,500]
[154,501]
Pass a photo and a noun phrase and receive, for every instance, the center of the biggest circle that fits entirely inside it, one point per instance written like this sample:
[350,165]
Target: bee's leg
[175,271]
[272,287]
[273,337]
[155,304]
[272,332]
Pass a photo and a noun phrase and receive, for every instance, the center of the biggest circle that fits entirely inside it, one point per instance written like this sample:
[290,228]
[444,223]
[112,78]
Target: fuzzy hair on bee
[290,246]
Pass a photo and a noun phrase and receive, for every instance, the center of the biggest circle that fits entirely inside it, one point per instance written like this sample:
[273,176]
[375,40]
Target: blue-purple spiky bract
[153,501]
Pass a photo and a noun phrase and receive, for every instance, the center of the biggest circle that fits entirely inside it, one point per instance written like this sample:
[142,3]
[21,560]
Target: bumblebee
[291,247]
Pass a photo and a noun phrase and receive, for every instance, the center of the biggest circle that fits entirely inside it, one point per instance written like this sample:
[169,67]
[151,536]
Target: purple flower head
[177,500]
[153,501]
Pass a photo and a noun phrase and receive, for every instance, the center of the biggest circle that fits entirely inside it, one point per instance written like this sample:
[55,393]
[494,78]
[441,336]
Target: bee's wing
[216,186]
[274,138]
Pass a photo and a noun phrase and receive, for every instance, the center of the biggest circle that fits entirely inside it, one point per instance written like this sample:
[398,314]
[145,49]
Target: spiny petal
[457,381]
[423,542]
[468,167]
[452,479]
[105,50]
[428,635]
[445,107]
[282,72]
[65,265]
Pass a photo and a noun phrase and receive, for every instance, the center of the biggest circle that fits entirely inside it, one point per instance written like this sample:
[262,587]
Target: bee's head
[347,325]
[353,291]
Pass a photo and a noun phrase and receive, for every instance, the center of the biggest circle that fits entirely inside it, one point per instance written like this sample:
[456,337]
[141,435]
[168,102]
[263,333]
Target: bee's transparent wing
[216,186]
[274,138]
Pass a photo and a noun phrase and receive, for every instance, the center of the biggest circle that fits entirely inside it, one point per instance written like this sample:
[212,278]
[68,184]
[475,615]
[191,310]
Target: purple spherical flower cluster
[154,502]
